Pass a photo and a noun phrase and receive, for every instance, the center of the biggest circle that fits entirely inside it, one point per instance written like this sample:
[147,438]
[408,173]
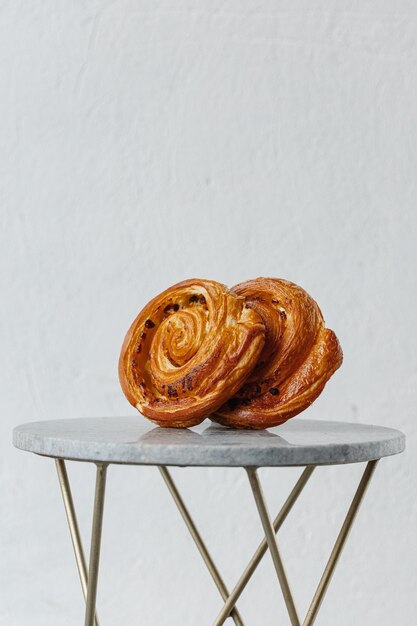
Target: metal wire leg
[334,556]
[199,541]
[89,581]
[272,544]
[340,542]
[262,548]
[73,526]
[95,544]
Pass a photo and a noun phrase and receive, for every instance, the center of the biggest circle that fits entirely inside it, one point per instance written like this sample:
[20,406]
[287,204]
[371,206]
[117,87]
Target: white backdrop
[146,142]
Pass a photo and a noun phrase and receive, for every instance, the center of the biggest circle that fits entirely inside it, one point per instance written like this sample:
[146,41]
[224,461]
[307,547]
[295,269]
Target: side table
[134,441]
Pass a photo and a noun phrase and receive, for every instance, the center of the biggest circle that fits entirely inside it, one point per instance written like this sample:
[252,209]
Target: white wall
[146,142]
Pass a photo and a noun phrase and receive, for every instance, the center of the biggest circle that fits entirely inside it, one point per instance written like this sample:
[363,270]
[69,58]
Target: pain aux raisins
[250,356]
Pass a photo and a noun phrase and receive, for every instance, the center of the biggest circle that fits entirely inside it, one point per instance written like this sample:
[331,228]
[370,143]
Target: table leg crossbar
[89,580]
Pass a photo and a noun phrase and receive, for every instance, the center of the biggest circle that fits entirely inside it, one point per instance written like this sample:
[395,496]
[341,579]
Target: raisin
[193,298]
[172,392]
[171,307]
[149,324]
[274,391]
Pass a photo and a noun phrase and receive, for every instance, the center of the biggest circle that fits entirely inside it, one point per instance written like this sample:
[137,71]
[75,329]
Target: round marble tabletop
[134,440]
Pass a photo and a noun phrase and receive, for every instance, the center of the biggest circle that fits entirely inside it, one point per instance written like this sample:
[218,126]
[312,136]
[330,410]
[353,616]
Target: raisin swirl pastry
[298,358]
[188,351]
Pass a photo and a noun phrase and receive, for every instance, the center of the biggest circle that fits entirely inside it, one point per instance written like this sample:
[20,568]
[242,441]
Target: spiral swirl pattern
[298,358]
[188,351]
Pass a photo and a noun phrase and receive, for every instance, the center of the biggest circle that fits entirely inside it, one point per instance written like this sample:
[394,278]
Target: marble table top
[134,440]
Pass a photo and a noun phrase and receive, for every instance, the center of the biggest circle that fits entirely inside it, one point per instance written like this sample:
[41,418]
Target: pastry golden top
[188,351]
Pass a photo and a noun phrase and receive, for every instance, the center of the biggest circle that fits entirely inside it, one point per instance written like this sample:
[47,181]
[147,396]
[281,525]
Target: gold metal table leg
[95,544]
[189,522]
[89,581]
[263,546]
[272,544]
[73,526]
[340,542]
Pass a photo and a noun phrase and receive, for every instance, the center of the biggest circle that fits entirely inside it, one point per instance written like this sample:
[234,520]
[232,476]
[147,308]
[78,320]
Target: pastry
[188,351]
[298,358]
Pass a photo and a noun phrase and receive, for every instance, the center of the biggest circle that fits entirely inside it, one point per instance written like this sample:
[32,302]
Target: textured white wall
[145,142]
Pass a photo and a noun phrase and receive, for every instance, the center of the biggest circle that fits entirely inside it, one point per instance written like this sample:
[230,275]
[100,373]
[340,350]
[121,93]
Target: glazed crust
[188,351]
[298,358]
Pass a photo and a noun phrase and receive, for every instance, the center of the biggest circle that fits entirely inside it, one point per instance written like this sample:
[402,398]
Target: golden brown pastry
[298,358]
[188,351]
